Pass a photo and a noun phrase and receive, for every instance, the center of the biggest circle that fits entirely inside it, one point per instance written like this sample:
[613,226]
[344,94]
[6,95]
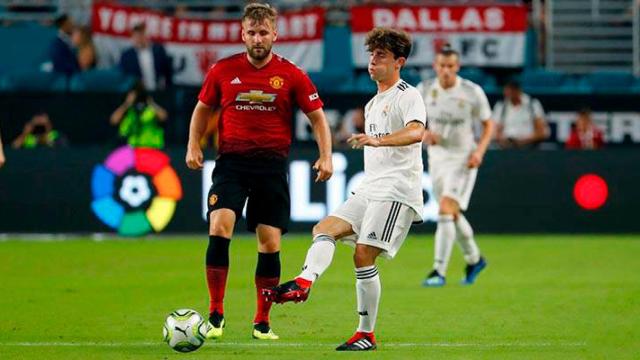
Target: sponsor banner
[592,190]
[486,35]
[196,44]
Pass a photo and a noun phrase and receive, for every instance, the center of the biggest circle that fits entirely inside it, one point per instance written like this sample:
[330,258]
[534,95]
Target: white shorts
[453,180]
[381,224]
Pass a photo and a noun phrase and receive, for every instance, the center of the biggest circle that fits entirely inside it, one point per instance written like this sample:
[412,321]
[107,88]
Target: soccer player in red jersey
[255,92]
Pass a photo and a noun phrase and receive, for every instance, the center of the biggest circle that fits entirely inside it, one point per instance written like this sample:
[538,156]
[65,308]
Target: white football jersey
[394,173]
[451,114]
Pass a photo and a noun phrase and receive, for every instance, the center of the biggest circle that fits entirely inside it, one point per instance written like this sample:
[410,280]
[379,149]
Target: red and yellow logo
[276,82]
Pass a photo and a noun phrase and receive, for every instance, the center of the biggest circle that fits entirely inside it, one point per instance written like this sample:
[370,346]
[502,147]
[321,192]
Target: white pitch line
[292,345]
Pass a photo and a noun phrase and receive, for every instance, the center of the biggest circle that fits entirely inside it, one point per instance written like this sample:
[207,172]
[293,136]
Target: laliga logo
[135,191]
[300,180]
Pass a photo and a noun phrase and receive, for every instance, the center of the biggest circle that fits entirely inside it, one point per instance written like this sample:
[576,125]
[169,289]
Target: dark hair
[139,27]
[447,50]
[585,111]
[396,41]
[513,84]
[258,13]
[61,20]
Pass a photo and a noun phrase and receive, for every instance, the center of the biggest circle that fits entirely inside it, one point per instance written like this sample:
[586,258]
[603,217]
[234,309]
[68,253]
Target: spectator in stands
[39,132]
[147,61]
[2,158]
[139,118]
[520,119]
[61,51]
[86,53]
[585,134]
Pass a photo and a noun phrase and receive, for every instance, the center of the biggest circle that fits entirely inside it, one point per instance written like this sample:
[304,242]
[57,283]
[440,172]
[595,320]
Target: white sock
[445,237]
[319,257]
[466,240]
[368,296]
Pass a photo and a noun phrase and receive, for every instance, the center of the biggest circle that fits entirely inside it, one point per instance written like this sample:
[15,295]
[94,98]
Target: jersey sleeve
[498,108]
[412,107]
[305,93]
[538,111]
[482,109]
[210,91]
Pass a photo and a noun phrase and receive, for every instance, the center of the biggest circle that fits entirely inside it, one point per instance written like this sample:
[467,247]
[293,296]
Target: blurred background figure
[86,50]
[585,134]
[139,119]
[147,61]
[520,119]
[61,51]
[353,123]
[2,158]
[39,132]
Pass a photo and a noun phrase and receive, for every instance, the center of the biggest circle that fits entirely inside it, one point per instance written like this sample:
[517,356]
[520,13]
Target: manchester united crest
[276,82]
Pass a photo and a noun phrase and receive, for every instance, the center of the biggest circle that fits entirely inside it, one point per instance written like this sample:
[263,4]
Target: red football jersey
[257,104]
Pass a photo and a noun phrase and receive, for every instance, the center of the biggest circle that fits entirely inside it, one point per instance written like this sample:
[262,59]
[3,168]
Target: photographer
[39,132]
[139,119]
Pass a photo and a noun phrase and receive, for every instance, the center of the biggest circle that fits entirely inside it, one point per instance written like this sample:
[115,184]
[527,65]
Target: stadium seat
[364,84]
[608,82]
[410,75]
[541,81]
[37,81]
[108,80]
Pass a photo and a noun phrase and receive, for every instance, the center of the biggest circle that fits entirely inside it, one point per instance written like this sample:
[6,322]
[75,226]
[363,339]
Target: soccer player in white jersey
[453,105]
[377,217]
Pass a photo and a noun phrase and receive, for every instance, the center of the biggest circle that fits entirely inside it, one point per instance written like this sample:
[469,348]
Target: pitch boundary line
[295,345]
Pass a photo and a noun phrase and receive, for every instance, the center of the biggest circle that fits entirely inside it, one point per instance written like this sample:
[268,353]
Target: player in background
[389,199]
[255,92]
[453,105]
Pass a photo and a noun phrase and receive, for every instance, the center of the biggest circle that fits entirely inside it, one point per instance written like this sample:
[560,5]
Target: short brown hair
[257,12]
[396,41]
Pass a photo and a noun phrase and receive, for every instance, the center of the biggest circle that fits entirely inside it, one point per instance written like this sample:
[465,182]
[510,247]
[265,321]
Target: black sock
[218,251]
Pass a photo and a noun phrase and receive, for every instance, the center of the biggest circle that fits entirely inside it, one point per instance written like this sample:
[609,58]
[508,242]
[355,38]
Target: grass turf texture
[541,297]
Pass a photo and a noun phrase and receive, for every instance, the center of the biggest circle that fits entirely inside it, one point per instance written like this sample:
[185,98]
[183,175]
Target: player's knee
[221,223]
[363,257]
[448,207]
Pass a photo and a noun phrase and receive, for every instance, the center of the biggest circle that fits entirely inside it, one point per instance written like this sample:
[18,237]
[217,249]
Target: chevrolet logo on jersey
[256,97]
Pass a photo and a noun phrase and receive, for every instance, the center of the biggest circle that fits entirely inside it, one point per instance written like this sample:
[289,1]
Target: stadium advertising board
[43,190]
[486,35]
[196,44]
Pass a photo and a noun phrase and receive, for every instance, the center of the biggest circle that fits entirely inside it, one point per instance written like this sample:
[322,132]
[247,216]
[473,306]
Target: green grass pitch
[541,297]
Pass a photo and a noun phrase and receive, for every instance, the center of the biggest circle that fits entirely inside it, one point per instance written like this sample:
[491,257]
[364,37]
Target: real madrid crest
[276,82]
[434,96]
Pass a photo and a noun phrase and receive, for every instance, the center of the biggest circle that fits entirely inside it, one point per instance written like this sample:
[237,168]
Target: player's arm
[161,113]
[322,134]
[201,115]
[481,111]
[485,138]
[410,134]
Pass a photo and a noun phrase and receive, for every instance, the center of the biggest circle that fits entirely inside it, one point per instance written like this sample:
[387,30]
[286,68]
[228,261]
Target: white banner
[195,45]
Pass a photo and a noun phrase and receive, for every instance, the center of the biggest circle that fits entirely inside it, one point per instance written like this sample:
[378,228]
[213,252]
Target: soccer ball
[185,330]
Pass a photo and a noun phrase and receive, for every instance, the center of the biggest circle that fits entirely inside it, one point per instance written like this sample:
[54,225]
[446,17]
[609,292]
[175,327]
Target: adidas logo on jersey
[372,236]
[236,81]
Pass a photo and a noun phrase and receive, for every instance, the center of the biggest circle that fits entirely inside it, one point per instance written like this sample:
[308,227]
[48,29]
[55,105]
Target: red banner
[195,44]
[486,35]
[498,18]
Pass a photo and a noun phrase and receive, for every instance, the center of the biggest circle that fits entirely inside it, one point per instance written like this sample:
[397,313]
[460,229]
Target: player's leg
[384,229]
[268,216]
[225,202]
[444,239]
[465,237]
[267,276]
[341,224]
